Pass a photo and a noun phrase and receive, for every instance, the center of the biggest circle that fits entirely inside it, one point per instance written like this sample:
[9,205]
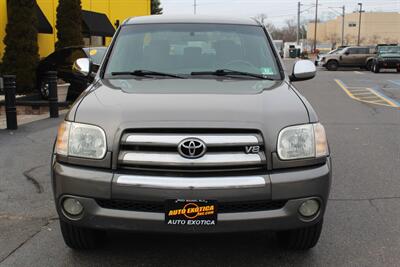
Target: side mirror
[82,66]
[303,70]
[347,53]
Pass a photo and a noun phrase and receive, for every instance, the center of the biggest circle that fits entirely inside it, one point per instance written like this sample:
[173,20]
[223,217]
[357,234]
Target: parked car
[192,140]
[322,55]
[353,56]
[62,61]
[387,57]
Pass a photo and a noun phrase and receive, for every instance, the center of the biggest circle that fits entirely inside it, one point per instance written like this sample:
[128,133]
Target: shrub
[21,54]
[69,23]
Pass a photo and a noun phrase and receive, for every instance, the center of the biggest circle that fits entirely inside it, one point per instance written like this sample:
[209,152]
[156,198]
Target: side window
[352,51]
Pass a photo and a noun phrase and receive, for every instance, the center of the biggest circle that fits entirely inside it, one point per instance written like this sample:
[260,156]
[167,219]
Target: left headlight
[81,140]
[302,141]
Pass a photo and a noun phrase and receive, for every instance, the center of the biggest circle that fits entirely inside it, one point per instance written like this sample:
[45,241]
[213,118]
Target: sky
[277,11]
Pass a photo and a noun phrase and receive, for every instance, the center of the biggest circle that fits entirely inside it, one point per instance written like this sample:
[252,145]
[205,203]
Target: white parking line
[359,72]
[396,82]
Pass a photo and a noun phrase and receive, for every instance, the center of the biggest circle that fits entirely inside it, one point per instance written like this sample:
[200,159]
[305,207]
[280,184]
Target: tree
[21,54]
[69,23]
[156,8]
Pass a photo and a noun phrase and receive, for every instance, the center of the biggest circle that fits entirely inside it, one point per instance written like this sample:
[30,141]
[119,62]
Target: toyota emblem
[192,148]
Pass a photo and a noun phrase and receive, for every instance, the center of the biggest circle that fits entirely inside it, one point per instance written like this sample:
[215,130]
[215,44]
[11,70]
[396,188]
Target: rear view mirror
[303,70]
[82,66]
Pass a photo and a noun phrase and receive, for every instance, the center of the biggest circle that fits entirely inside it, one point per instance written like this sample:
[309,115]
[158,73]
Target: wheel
[332,65]
[398,69]
[376,68]
[300,239]
[43,87]
[368,66]
[81,238]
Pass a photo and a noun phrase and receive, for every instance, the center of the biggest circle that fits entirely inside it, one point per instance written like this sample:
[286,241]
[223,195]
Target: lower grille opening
[223,207]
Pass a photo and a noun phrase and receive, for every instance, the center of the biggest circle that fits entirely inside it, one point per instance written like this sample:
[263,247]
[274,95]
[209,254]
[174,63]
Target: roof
[97,24]
[43,25]
[190,19]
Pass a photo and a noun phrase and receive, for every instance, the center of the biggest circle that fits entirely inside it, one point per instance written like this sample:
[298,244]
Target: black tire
[300,239]
[332,65]
[376,69]
[43,88]
[368,66]
[81,238]
[398,69]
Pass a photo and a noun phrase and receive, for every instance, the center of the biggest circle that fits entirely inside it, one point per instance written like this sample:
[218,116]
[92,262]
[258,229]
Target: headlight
[81,140]
[302,141]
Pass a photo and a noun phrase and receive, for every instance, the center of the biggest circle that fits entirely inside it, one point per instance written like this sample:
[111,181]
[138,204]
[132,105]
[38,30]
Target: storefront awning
[44,25]
[96,24]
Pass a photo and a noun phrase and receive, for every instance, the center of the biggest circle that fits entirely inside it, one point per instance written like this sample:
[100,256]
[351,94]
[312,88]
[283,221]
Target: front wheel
[332,65]
[376,68]
[43,87]
[368,66]
[81,238]
[300,239]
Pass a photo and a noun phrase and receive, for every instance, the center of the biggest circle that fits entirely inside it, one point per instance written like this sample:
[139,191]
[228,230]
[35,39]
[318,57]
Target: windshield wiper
[143,73]
[226,72]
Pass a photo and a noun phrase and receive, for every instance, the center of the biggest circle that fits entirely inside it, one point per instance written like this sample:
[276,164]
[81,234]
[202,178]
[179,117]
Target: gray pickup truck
[192,126]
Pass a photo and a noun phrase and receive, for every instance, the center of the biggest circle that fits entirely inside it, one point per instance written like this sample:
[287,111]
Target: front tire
[332,65]
[368,66]
[80,238]
[300,239]
[43,87]
[376,69]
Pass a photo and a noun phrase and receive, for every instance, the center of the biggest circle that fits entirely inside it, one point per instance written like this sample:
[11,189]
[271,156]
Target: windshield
[389,50]
[96,54]
[185,48]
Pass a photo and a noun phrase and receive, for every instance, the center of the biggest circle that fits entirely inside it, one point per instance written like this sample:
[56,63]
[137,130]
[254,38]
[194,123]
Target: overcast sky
[277,10]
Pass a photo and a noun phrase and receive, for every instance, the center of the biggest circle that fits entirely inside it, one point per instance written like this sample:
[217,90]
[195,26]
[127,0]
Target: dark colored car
[387,57]
[192,126]
[62,61]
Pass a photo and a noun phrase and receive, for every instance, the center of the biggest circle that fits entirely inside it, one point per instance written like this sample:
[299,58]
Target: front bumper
[294,185]
[388,64]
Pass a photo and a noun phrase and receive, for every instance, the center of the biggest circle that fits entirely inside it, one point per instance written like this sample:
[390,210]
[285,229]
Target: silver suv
[192,126]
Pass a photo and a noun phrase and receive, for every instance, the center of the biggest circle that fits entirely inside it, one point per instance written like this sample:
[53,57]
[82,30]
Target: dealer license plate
[191,212]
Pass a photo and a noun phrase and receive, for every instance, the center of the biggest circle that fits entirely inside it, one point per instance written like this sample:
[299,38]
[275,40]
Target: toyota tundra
[191,126]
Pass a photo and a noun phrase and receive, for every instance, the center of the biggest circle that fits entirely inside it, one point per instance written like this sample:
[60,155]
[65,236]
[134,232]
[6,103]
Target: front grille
[223,207]
[224,151]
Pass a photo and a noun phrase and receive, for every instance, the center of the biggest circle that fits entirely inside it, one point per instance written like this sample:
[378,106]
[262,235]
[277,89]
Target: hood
[390,55]
[118,104]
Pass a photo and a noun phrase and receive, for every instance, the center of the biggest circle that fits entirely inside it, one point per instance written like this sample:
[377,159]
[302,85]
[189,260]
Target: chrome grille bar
[174,159]
[175,139]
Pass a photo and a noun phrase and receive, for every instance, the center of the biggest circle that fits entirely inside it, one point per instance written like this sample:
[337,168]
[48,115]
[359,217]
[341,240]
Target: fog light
[309,208]
[72,206]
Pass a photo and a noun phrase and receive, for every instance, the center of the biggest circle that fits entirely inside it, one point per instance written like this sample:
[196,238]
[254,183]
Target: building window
[352,24]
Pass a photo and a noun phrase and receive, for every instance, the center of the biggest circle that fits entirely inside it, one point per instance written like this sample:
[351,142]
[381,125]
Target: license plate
[191,212]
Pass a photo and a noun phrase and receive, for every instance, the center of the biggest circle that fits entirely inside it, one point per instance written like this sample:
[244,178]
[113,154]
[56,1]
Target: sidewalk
[24,119]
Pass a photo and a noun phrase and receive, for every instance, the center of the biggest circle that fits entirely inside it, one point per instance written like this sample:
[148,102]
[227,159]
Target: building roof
[190,19]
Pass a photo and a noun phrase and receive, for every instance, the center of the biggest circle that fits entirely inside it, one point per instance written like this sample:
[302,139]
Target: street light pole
[359,24]
[343,16]
[194,7]
[315,25]
[298,22]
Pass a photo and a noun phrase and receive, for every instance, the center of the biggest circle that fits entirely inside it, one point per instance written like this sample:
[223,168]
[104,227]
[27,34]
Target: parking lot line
[367,95]
[396,82]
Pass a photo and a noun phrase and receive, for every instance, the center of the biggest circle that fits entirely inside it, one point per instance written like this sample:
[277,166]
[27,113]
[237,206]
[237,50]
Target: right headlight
[81,140]
[302,141]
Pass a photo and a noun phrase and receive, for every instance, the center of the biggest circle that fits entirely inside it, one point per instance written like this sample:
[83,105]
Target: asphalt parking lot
[361,112]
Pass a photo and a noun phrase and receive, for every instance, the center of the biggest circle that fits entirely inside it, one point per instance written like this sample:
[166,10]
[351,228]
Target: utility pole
[343,16]
[359,24]
[298,22]
[315,25]
[194,6]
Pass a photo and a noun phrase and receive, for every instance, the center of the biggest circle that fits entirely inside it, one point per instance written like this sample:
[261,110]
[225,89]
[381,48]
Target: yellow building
[100,18]
[376,27]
